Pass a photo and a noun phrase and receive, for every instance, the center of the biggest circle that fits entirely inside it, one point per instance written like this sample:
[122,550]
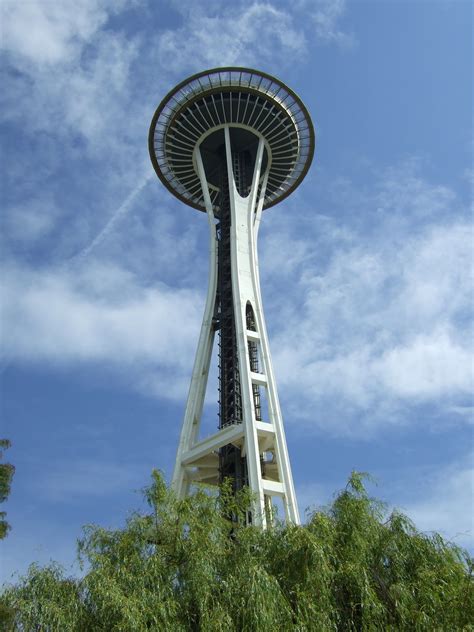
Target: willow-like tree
[184,566]
[6,474]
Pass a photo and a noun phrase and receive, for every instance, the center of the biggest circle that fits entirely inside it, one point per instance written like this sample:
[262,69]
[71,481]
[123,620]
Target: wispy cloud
[70,87]
[101,314]
[379,321]
[71,76]
[47,32]
[326,16]
[241,35]
[379,318]
[30,220]
[377,304]
[249,34]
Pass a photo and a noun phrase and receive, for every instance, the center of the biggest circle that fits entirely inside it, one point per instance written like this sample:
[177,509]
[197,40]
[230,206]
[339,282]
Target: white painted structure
[261,441]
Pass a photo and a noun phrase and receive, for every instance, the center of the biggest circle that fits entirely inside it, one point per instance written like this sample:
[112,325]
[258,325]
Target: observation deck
[253,105]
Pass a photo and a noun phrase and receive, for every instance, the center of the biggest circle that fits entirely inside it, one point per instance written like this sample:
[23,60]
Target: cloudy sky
[366,269]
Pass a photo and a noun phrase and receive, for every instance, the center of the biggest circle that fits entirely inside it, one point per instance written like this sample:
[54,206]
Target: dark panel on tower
[231,463]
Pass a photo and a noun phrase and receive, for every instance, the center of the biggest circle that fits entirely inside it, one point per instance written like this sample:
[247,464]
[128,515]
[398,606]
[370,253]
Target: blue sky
[366,269]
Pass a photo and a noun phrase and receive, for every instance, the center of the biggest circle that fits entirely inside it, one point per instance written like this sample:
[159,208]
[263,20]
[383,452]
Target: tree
[6,474]
[185,566]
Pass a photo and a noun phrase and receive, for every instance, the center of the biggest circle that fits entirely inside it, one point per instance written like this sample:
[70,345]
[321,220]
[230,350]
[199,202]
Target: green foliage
[187,566]
[6,474]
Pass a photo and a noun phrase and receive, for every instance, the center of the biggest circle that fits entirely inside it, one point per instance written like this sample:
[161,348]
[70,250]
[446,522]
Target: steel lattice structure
[232,142]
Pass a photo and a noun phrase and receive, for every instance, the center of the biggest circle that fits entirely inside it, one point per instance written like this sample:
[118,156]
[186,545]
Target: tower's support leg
[197,389]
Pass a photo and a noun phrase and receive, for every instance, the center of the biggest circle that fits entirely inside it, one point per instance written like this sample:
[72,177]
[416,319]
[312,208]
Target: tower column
[197,389]
[246,214]
[243,211]
[259,435]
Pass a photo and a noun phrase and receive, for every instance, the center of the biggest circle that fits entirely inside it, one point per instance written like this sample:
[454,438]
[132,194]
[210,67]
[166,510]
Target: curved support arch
[246,213]
[197,389]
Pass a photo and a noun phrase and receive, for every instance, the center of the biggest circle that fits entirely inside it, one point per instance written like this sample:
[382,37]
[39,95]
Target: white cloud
[51,31]
[466,411]
[32,220]
[250,34]
[326,15]
[381,318]
[402,190]
[381,322]
[241,35]
[101,315]
[378,315]
[430,365]
[71,76]
[81,99]
[81,121]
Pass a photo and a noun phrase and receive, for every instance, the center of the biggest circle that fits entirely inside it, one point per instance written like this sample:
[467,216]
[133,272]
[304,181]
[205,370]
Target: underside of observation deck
[243,99]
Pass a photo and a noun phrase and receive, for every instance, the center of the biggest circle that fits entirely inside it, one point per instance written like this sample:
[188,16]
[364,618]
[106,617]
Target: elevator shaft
[231,463]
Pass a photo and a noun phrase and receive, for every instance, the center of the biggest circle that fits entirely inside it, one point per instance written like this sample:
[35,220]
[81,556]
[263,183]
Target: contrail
[119,213]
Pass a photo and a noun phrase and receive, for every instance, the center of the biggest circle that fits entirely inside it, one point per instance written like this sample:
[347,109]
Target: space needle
[233,142]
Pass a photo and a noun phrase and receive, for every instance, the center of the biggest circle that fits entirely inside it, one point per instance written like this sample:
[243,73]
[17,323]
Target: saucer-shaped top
[240,98]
